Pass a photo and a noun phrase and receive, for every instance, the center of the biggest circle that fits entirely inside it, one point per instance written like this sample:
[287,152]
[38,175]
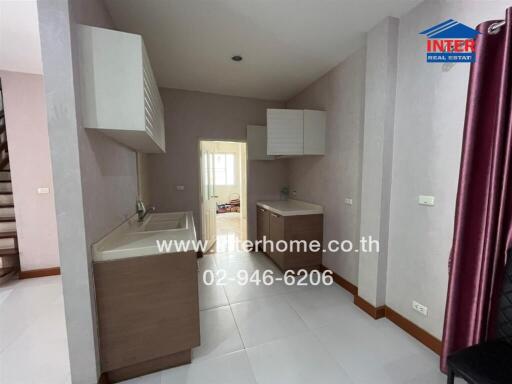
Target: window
[224,168]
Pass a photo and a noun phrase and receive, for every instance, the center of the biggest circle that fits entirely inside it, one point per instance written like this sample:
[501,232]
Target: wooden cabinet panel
[288,228]
[263,223]
[147,308]
[277,231]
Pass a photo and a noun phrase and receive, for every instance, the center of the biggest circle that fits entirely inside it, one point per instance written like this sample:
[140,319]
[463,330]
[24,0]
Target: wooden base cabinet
[277,228]
[148,313]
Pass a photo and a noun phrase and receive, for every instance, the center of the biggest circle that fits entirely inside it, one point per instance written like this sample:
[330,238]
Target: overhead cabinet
[119,94]
[292,132]
[257,143]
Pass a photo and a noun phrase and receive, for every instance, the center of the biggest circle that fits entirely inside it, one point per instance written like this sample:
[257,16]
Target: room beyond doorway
[223,193]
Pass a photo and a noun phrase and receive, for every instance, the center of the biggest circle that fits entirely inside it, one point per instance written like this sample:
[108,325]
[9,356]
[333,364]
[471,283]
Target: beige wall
[29,155]
[191,116]
[328,180]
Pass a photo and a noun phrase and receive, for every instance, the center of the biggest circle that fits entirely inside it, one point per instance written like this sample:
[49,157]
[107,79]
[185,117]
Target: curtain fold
[483,217]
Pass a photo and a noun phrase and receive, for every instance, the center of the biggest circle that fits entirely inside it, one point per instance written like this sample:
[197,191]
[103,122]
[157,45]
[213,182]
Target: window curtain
[483,217]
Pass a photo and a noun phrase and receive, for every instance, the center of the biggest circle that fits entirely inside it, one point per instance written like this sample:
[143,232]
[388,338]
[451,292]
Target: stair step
[9,261]
[5,186]
[9,243]
[7,219]
[9,275]
[8,252]
[8,234]
[6,226]
[5,175]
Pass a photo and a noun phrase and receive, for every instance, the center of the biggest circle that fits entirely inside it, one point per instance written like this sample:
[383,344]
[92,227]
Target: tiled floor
[33,344]
[281,335]
[231,229]
[249,334]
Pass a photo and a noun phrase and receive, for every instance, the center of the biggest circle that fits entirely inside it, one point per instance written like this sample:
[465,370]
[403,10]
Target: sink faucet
[142,211]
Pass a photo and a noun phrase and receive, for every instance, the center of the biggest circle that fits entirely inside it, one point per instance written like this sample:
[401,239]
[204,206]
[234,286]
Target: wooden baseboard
[406,325]
[341,281]
[375,312]
[39,273]
[412,329]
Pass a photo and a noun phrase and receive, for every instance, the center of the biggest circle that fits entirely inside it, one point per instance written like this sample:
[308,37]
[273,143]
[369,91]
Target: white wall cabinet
[292,132]
[119,94]
[257,143]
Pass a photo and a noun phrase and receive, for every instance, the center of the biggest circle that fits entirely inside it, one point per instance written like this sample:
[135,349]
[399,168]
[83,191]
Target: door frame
[199,174]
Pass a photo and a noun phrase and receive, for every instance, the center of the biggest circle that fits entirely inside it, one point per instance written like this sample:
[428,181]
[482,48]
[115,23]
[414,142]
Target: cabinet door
[285,132]
[263,224]
[314,132]
[277,233]
[257,143]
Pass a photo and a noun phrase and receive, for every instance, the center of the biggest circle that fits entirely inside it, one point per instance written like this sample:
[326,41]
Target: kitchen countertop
[135,239]
[291,207]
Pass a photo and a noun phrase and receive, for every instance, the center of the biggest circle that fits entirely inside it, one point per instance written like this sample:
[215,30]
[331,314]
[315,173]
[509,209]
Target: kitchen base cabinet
[148,313]
[278,228]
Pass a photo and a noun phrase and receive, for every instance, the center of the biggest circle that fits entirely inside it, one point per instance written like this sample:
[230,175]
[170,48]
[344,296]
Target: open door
[208,197]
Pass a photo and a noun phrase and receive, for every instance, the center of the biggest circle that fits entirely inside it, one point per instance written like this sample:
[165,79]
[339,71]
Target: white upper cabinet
[285,132]
[119,94]
[257,143]
[295,132]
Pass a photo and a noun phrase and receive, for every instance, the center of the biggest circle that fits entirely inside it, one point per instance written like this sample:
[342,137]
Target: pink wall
[190,116]
[29,153]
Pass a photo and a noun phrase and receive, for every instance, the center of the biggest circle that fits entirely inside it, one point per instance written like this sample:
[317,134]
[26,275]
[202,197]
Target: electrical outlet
[348,201]
[180,187]
[420,308]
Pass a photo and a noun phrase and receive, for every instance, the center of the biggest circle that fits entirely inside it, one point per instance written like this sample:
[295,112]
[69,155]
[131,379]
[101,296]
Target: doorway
[223,194]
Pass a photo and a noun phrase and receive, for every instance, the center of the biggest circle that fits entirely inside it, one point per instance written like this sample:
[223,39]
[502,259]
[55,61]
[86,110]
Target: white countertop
[291,207]
[134,239]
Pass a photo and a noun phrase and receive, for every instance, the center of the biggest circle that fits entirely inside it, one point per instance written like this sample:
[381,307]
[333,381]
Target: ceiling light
[237,58]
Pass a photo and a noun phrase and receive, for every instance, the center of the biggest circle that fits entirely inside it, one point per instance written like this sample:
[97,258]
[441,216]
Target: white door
[208,198]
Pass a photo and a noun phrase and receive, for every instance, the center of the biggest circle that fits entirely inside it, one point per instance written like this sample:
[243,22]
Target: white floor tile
[292,335]
[153,378]
[322,305]
[267,319]
[40,353]
[298,359]
[219,334]
[233,368]
[22,302]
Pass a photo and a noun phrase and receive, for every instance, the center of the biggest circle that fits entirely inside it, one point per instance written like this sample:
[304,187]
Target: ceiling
[285,44]
[20,47]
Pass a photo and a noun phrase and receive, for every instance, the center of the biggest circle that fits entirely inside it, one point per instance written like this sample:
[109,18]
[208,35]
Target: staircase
[9,257]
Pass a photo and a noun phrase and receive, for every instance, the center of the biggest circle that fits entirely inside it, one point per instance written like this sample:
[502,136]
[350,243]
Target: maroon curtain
[483,216]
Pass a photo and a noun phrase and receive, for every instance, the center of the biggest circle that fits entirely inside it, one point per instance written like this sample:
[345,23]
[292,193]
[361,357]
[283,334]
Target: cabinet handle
[274,215]
[262,210]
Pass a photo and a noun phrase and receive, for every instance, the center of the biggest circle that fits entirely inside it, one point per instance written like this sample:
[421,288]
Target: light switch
[348,201]
[180,187]
[43,191]
[426,200]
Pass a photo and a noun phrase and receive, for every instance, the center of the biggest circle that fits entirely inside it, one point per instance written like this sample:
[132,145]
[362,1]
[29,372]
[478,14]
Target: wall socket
[420,308]
[348,201]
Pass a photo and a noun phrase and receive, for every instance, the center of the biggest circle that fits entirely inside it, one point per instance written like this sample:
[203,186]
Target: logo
[450,42]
